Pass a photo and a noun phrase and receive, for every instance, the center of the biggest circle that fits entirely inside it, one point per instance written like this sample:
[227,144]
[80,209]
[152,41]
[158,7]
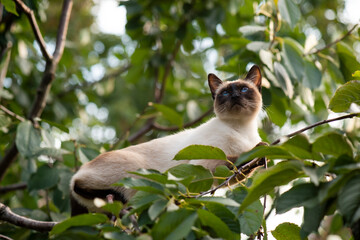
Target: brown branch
[62,30]
[142,131]
[186,125]
[50,68]
[13,187]
[107,77]
[257,162]
[12,114]
[334,42]
[38,36]
[315,125]
[7,215]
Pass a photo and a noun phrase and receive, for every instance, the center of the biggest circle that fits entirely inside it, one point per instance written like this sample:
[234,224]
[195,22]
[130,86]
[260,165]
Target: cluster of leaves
[168,48]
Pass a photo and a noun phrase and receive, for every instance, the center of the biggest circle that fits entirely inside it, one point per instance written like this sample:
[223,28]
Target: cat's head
[237,100]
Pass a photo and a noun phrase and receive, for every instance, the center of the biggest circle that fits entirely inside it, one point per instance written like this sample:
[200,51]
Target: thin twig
[315,125]
[13,187]
[35,27]
[12,114]
[334,42]
[7,215]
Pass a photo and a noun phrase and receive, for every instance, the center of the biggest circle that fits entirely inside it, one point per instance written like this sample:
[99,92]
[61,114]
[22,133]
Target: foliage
[99,101]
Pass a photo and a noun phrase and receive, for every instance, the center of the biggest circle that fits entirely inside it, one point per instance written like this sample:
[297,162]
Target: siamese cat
[234,130]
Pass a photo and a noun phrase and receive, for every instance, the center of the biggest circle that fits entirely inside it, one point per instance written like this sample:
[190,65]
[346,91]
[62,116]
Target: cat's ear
[214,83]
[254,75]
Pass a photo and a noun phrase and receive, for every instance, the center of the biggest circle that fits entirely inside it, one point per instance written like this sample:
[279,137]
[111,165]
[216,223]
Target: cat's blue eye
[244,89]
[225,93]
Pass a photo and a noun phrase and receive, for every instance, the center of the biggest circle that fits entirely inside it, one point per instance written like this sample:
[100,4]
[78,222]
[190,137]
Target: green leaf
[142,199]
[141,185]
[44,178]
[151,174]
[225,215]
[349,200]
[312,76]
[299,195]
[196,178]
[251,29]
[287,231]
[4,122]
[293,59]
[51,152]
[169,114]
[299,146]
[251,219]
[27,139]
[348,62]
[333,144]
[87,154]
[222,171]
[113,208]
[345,96]
[193,152]
[221,229]
[220,200]
[283,79]
[174,225]
[80,220]
[156,208]
[278,107]
[289,11]
[10,6]
[356,74]
[54,124]
[271,152]
[312,219]
[265,181]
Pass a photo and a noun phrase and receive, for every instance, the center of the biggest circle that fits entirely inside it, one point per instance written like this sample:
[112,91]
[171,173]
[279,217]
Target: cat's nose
[235,95]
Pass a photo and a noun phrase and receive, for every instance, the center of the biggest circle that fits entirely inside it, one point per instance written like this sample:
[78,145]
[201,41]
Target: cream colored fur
[233,135]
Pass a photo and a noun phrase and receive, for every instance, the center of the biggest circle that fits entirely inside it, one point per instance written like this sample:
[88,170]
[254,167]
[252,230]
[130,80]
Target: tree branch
[142,131]
[50,68]
[247,168]
[62,30]
[12,114]
[334,42]
[315,125]
[13,187]
[38,36]
[7,215]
